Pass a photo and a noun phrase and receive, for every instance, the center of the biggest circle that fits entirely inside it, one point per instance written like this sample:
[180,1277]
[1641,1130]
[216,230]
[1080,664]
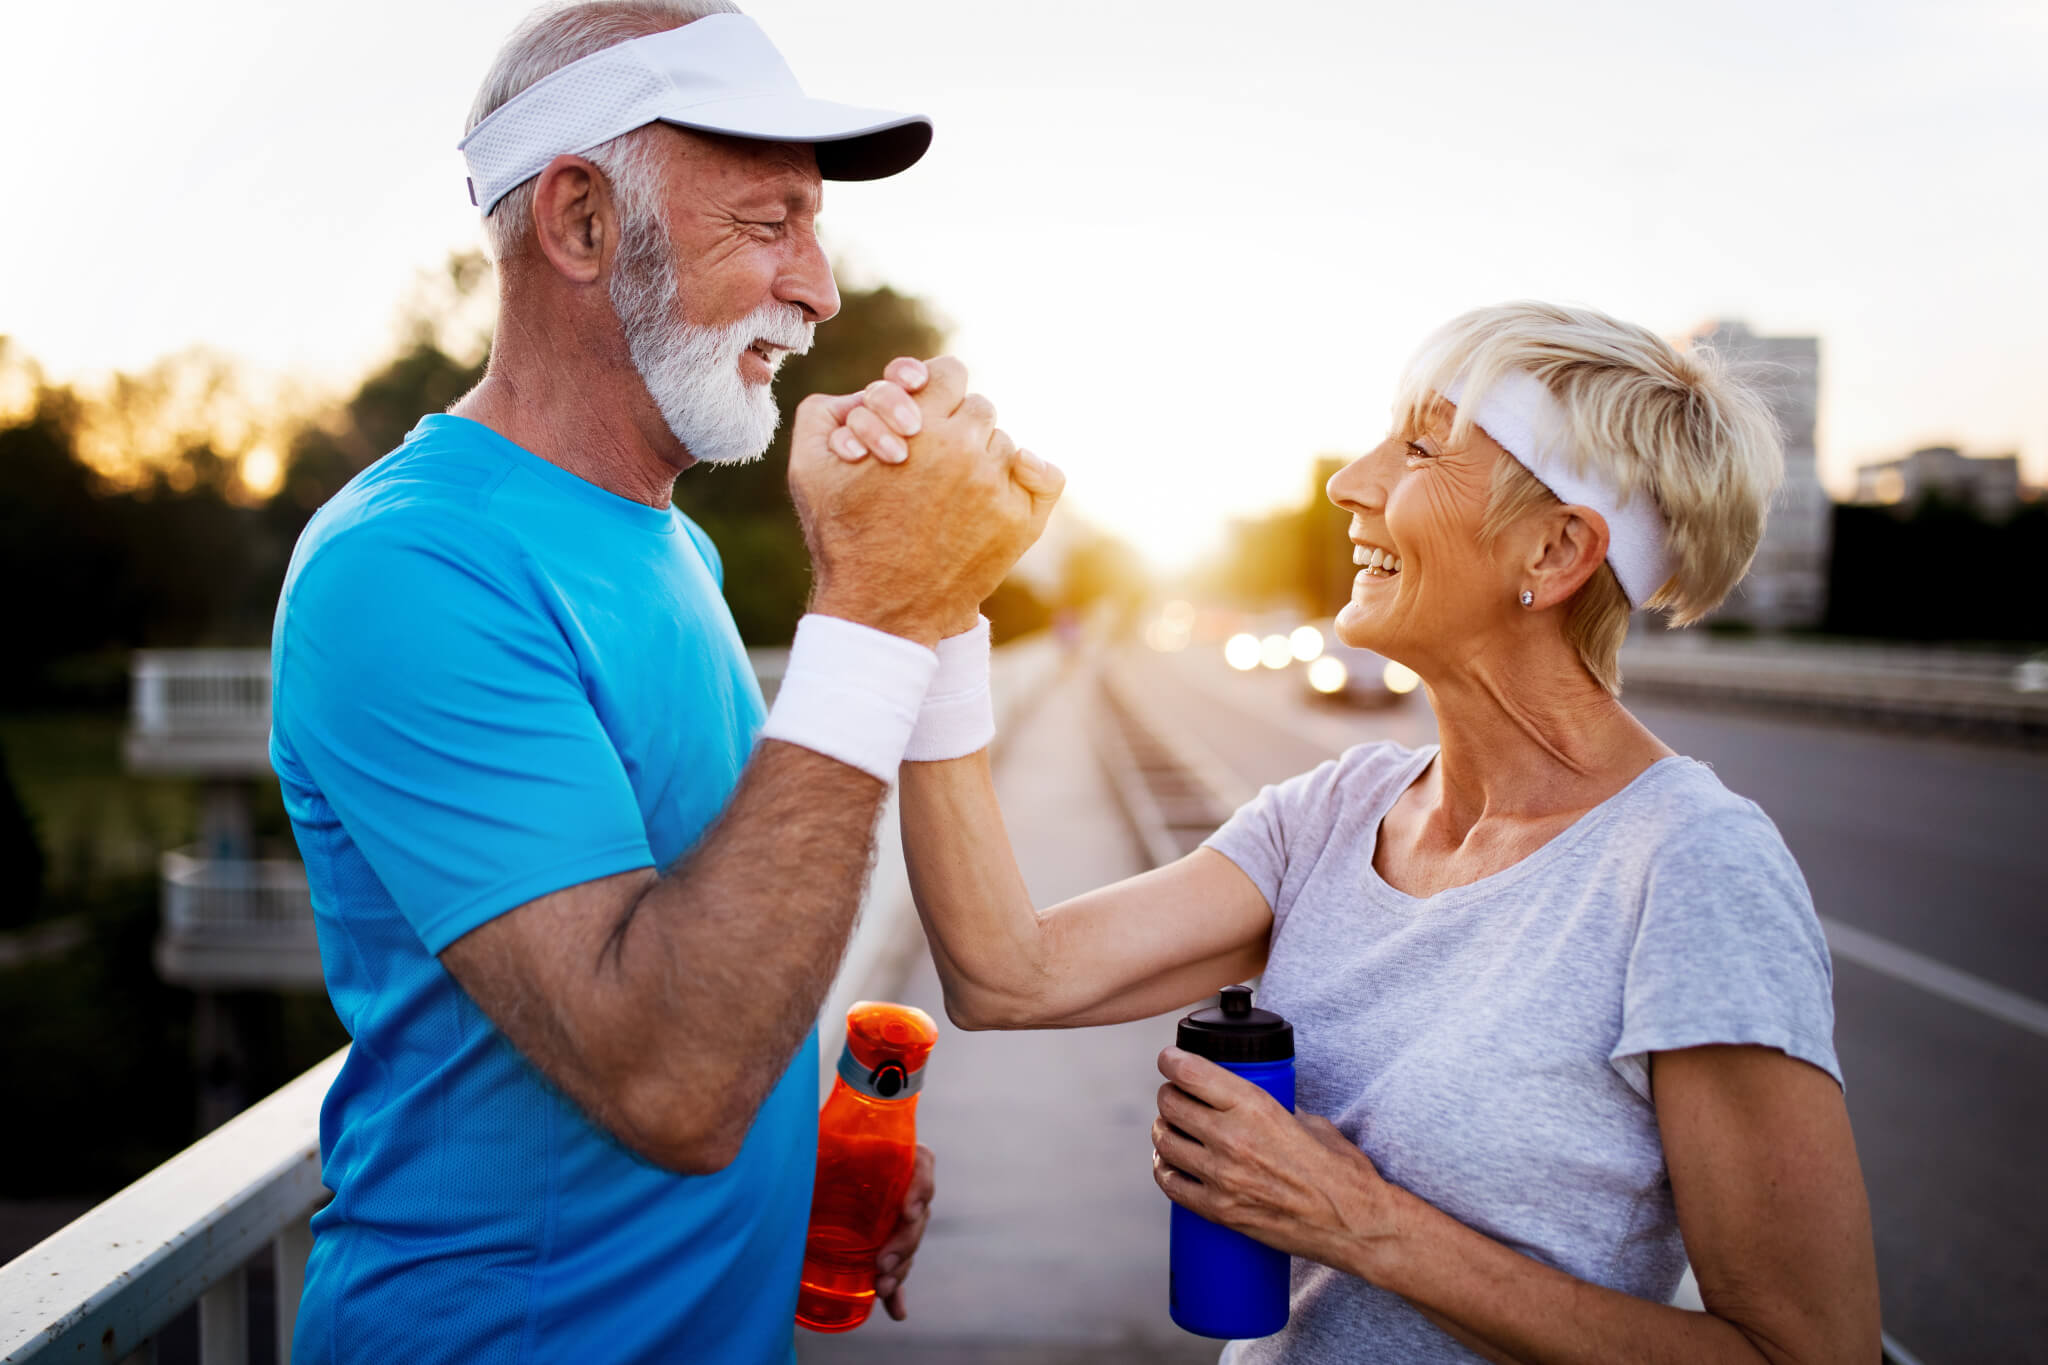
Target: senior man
[578,905]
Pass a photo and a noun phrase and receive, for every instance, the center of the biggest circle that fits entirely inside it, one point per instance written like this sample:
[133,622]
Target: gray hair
[550,39]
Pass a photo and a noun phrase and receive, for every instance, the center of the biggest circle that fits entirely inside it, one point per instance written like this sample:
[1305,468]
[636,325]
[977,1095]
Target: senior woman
[1561,1000]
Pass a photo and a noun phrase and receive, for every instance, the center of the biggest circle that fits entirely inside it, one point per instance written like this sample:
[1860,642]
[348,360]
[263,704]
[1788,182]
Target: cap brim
[851,143]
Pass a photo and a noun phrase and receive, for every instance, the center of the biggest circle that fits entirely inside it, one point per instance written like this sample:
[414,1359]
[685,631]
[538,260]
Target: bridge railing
[237,924]
[239,896]
[200,690]
[199,712]
[102,1287]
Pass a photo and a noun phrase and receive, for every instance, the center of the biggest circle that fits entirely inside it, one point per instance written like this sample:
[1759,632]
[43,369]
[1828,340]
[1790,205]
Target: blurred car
[1356,677]
[2031,675]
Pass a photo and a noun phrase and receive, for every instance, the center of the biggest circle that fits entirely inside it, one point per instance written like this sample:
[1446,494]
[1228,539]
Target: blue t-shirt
[493,680]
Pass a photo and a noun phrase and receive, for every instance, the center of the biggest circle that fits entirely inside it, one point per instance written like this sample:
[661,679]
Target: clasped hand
[1225,1149]
[913,541]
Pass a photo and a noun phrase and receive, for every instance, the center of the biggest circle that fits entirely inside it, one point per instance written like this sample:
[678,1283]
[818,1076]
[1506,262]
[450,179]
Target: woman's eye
[1416,452]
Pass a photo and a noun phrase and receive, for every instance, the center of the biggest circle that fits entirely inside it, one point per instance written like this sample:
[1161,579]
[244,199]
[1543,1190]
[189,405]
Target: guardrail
[103,1286]
[1929,688]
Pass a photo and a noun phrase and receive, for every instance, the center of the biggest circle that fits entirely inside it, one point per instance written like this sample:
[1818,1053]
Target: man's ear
[575,219]
[1571,547]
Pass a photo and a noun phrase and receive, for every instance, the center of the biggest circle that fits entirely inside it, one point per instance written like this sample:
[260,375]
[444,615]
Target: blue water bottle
[1224,1284]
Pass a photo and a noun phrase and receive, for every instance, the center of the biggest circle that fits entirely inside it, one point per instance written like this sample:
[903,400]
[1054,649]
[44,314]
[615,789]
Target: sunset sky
[1184,246]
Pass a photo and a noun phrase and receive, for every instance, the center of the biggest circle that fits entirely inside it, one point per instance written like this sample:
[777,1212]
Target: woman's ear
[1569,549]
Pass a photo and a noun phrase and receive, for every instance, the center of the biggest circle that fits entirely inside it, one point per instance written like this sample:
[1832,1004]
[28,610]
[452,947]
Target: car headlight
[1328,674]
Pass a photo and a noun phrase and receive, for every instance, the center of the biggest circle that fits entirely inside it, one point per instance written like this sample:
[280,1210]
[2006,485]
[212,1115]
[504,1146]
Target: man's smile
[760,361]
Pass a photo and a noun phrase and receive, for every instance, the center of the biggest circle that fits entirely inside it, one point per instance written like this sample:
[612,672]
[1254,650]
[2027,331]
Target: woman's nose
[1358,485]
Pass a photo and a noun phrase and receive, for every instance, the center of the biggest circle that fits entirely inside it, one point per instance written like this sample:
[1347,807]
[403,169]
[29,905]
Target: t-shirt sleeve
[1256,836]
[1729,950]
[426,693]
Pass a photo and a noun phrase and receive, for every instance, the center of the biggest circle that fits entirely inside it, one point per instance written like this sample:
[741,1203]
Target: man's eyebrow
[790,192]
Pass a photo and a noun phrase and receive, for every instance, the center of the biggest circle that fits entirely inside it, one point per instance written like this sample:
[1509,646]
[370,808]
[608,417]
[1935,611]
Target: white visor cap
[718,74]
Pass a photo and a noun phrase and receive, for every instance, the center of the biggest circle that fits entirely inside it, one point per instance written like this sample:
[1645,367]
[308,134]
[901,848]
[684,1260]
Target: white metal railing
[261,899]
[200,713]
[103,1286]
[237,924]
[204,691]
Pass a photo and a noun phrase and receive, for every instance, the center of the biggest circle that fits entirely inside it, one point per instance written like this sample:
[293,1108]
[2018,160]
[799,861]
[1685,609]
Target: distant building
[1787,584]
[1988,483]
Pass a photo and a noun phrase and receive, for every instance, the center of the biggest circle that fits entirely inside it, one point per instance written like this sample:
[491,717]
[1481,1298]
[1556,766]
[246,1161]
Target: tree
[62,560]
[21,856]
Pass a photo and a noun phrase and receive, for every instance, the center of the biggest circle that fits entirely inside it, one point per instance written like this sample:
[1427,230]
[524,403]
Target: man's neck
[562,398]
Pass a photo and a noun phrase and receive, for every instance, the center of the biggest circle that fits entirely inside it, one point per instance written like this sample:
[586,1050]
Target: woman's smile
[1375,563]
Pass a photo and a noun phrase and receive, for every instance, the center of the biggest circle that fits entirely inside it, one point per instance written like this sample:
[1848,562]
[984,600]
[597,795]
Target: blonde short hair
[1680,427]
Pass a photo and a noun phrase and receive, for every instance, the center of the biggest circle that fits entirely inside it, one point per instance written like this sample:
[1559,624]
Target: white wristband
[851,692]
[959,714]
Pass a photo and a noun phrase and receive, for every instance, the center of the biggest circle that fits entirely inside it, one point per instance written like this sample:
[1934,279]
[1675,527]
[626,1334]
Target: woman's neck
[1536,739]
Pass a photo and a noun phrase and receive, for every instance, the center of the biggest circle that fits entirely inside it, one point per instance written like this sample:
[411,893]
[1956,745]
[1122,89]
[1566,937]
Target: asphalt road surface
[1932,846]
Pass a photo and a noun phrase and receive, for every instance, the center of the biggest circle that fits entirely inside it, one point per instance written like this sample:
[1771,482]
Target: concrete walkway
[1048,1238]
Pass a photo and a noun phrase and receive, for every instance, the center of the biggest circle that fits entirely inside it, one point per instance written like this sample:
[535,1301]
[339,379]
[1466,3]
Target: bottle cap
[886,1049]
[1233,1031]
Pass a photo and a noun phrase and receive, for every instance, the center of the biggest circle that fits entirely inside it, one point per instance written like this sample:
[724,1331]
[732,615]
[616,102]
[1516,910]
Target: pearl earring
[1528,598]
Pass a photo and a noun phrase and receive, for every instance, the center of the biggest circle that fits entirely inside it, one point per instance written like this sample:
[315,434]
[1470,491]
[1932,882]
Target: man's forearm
[718,969]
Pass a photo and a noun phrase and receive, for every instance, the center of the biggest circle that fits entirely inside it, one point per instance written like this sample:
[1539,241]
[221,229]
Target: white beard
[693,373]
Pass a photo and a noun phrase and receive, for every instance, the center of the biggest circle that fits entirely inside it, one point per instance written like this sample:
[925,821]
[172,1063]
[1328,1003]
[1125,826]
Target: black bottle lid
[1232,1031]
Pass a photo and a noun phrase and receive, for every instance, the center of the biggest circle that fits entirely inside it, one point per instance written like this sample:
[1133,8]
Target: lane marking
[1202,762]
[1865,949]
[1936,978]
[1895,1354]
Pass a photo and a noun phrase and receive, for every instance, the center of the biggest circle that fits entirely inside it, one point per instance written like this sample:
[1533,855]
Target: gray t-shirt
[1487,1046]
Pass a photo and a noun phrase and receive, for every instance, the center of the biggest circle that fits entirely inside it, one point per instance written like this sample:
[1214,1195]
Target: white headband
[719,74]
[1522,417]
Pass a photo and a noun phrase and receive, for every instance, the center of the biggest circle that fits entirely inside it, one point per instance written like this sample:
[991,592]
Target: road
[1937,847]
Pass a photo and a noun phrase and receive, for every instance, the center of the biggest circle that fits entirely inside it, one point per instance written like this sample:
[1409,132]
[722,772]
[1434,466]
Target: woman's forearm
[1128,950]
[987,940]
[1510,1307]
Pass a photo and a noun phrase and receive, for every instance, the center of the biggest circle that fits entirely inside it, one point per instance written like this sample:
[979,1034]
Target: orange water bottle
[867,1151]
